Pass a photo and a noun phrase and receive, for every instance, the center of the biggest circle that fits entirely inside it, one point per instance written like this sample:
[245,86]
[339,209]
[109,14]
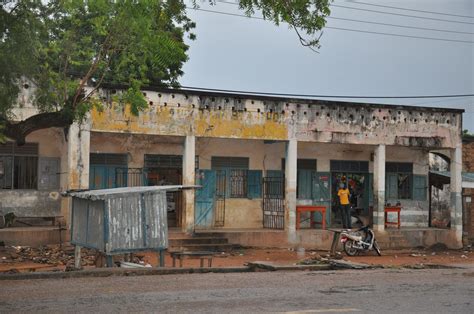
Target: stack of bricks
[468,194]
[468,155]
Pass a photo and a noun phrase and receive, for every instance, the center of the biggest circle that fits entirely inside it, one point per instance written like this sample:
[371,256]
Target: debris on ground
[134,265]
[52,255]
[438,247]
[315,259]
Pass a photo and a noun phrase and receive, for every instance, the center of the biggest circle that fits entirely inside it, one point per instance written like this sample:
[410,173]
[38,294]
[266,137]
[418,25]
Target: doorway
[359,189]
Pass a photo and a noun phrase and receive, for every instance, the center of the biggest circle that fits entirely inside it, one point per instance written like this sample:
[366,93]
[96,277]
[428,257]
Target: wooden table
[392,209]
[202,255]
[311,209]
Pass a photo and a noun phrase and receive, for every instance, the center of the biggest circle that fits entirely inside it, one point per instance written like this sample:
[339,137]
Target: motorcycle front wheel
[349,248]
[377,248]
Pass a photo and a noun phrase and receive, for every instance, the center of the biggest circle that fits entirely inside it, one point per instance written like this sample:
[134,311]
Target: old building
[468,191]
[257,158]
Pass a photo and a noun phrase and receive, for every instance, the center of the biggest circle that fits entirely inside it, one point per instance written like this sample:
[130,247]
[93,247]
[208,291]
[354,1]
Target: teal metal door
[205,199]
[321,191]
[107,176]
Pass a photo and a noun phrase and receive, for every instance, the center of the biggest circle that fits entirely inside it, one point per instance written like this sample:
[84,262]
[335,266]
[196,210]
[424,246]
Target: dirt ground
[277,256]
[290,257]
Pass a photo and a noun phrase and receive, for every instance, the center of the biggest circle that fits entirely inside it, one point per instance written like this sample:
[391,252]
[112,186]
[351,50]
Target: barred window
[238,183]
[399,180]
[236,172]
[18,166]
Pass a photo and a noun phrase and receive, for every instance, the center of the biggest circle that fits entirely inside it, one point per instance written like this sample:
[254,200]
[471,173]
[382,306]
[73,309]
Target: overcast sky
[239,53]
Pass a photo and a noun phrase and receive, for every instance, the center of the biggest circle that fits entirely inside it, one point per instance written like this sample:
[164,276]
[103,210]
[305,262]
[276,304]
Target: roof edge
[313,101]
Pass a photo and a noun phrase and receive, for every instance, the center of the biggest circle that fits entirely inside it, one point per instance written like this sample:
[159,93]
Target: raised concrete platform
[309,238]
[411,237]
[403,238]
[33,236]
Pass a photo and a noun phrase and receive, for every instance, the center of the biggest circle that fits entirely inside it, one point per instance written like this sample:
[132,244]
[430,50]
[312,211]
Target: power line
[339,28]
[461,98]
[400,14]
[257,93]
[377,23]
[323,96]
[406,9]
[397,25]
[398,35]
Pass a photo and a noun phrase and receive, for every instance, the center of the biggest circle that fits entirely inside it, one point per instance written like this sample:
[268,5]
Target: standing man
[344,196]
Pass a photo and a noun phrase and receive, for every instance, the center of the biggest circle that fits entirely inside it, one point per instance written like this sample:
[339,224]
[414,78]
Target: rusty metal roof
[126,191]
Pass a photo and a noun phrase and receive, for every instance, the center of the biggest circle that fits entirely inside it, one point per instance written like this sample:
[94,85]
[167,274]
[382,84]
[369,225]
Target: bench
[7,220]
[202,255]
[311,209]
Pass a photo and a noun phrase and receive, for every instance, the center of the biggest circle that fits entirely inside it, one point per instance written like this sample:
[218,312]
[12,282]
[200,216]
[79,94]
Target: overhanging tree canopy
[60,47]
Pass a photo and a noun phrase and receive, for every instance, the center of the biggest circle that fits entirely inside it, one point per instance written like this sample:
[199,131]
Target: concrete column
[455,204]
[379,187]
[189,162]
[78,150]
[290,189]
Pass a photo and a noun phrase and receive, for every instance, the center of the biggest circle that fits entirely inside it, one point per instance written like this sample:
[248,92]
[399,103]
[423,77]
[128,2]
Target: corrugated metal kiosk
[121,220]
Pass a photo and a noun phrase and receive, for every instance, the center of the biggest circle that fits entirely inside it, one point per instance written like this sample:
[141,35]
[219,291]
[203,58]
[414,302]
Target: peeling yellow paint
[172,121]
[74,180]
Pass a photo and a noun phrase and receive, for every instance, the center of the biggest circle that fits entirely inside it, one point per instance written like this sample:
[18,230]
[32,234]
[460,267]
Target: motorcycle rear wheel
[377,248]
[349,249]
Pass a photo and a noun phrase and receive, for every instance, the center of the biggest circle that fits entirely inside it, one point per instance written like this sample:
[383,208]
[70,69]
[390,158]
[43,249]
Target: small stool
[392,209]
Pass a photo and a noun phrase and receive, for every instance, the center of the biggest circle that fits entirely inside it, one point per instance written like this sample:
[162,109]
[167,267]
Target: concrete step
[222,247]
[209,234]
[196,240]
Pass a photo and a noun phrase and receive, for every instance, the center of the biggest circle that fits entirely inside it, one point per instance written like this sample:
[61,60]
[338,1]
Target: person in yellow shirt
[344,196]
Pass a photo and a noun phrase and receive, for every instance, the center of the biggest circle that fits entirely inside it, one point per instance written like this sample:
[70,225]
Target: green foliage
[66,49]
[63,46]
[306,17]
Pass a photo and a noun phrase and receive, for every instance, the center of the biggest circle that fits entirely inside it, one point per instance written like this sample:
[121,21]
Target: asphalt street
[376,291]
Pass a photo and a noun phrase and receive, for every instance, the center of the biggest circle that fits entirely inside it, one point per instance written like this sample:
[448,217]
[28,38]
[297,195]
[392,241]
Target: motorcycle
[361,240]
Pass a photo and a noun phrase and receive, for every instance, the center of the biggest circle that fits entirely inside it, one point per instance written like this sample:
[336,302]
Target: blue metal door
[321,193]
[205,199]
[107,176]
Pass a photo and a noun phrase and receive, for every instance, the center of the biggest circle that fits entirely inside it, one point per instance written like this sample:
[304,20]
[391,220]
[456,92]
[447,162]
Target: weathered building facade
[468,191]
[257,158]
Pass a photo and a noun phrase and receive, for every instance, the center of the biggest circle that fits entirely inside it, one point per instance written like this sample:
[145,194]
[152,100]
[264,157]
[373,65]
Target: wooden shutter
[370,188]
[48,173]
[321,192]
[391,186]
[419,187]
[304,185]
[254,184]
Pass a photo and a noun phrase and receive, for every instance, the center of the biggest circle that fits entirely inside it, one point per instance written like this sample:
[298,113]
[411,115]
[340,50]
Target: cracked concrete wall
[135,146]
[37,203]
[263,156]
[307,120]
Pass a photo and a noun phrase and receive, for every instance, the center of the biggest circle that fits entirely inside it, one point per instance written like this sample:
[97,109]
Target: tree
[60,47]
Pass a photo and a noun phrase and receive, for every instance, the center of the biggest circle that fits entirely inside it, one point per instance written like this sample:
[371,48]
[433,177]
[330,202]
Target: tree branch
[19,130]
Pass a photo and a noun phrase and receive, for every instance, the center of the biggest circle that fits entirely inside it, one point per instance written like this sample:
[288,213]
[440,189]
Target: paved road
[380,291]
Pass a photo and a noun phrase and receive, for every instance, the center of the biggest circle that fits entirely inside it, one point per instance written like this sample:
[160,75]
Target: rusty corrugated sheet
[121,220]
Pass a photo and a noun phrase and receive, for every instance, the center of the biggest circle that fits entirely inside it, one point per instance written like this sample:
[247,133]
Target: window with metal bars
[399,180]
[18,166]
[238,183]
[236,172]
